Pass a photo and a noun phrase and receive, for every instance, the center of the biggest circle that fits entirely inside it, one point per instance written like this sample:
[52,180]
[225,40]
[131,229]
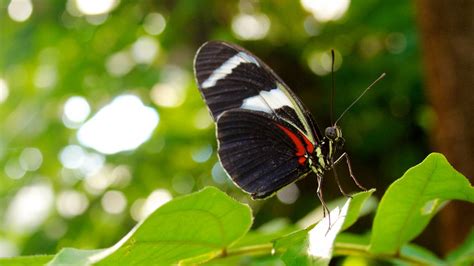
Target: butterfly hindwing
[259,152]
[230,77]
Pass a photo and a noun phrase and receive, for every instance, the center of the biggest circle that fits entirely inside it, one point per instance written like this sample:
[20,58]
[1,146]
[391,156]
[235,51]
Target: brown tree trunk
[447,29]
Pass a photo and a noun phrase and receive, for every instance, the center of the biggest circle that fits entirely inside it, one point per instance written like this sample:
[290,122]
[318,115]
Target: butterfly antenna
[333,91]
[360,96]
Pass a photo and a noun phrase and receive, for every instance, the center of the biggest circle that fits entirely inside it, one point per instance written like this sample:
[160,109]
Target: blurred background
[102,122]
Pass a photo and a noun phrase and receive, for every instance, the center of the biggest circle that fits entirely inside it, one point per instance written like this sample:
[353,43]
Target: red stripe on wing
[309,145]
[300,148]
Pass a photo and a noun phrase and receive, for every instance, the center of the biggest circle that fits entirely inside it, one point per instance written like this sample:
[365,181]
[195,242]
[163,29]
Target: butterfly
[266,137]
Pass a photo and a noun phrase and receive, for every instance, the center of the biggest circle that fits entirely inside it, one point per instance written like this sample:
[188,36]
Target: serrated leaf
[411,202]
[190,228]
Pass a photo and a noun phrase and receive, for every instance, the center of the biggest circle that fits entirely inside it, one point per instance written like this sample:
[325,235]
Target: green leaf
[411,202]
[464,254]
[420,255]
[294,246]
[73,257]
[192,228]
[313,245]
[357,246]
[265,234]
[352,239]
[355,207]
[26,260]
[368,204]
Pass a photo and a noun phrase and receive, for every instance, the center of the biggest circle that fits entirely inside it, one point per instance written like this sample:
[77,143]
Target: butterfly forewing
[263,128]
[230,77]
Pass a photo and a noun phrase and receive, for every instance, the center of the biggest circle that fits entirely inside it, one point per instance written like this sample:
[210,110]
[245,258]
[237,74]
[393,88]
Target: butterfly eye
[330,133]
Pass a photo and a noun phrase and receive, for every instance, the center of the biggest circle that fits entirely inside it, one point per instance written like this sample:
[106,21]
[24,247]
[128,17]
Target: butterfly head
[334,136]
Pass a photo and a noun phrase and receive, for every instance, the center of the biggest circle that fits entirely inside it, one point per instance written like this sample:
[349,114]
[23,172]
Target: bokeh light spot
[4,91]
[289,194]
[97,19]
[45,76]
[202,154]
[154,201]
[29,208]
[76,110]
[320,62]
[119,64]
[202,119]
[121,125]
[99,181]
[183,184]
[370,46]
[171,90]
[71,203]
[218,174]
[251,27]
[20,10]
[136,209]
[7,249]
[92,7]
[114,202]
[56,229]
[154,23]
[72,156]
[144,50]
[166,95]
[323,10]
[31,159]
[396,43]
[13,169]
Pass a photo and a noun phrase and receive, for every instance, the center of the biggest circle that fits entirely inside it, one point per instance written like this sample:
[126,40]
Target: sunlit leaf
[26,260]
[356,207]
[358,245]
[73,257]
[368,204]
[313,246]
[411,202]
[266,233]
[194,228]
[294,247]
[321,238]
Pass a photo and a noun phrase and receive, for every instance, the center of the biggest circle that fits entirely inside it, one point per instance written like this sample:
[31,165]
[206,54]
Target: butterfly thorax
[323,157]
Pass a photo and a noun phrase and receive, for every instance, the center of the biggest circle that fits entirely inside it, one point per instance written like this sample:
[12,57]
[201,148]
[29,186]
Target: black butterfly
[267,138]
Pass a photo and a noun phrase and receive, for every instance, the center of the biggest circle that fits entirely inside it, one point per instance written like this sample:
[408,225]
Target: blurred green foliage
[209,227]
[57,53]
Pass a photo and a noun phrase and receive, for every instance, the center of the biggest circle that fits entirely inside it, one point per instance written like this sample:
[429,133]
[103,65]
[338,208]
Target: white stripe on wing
[227,67]
[267,101]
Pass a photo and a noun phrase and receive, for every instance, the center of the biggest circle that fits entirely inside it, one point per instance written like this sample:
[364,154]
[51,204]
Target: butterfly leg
[348,162]
[337,181]
[323,203]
